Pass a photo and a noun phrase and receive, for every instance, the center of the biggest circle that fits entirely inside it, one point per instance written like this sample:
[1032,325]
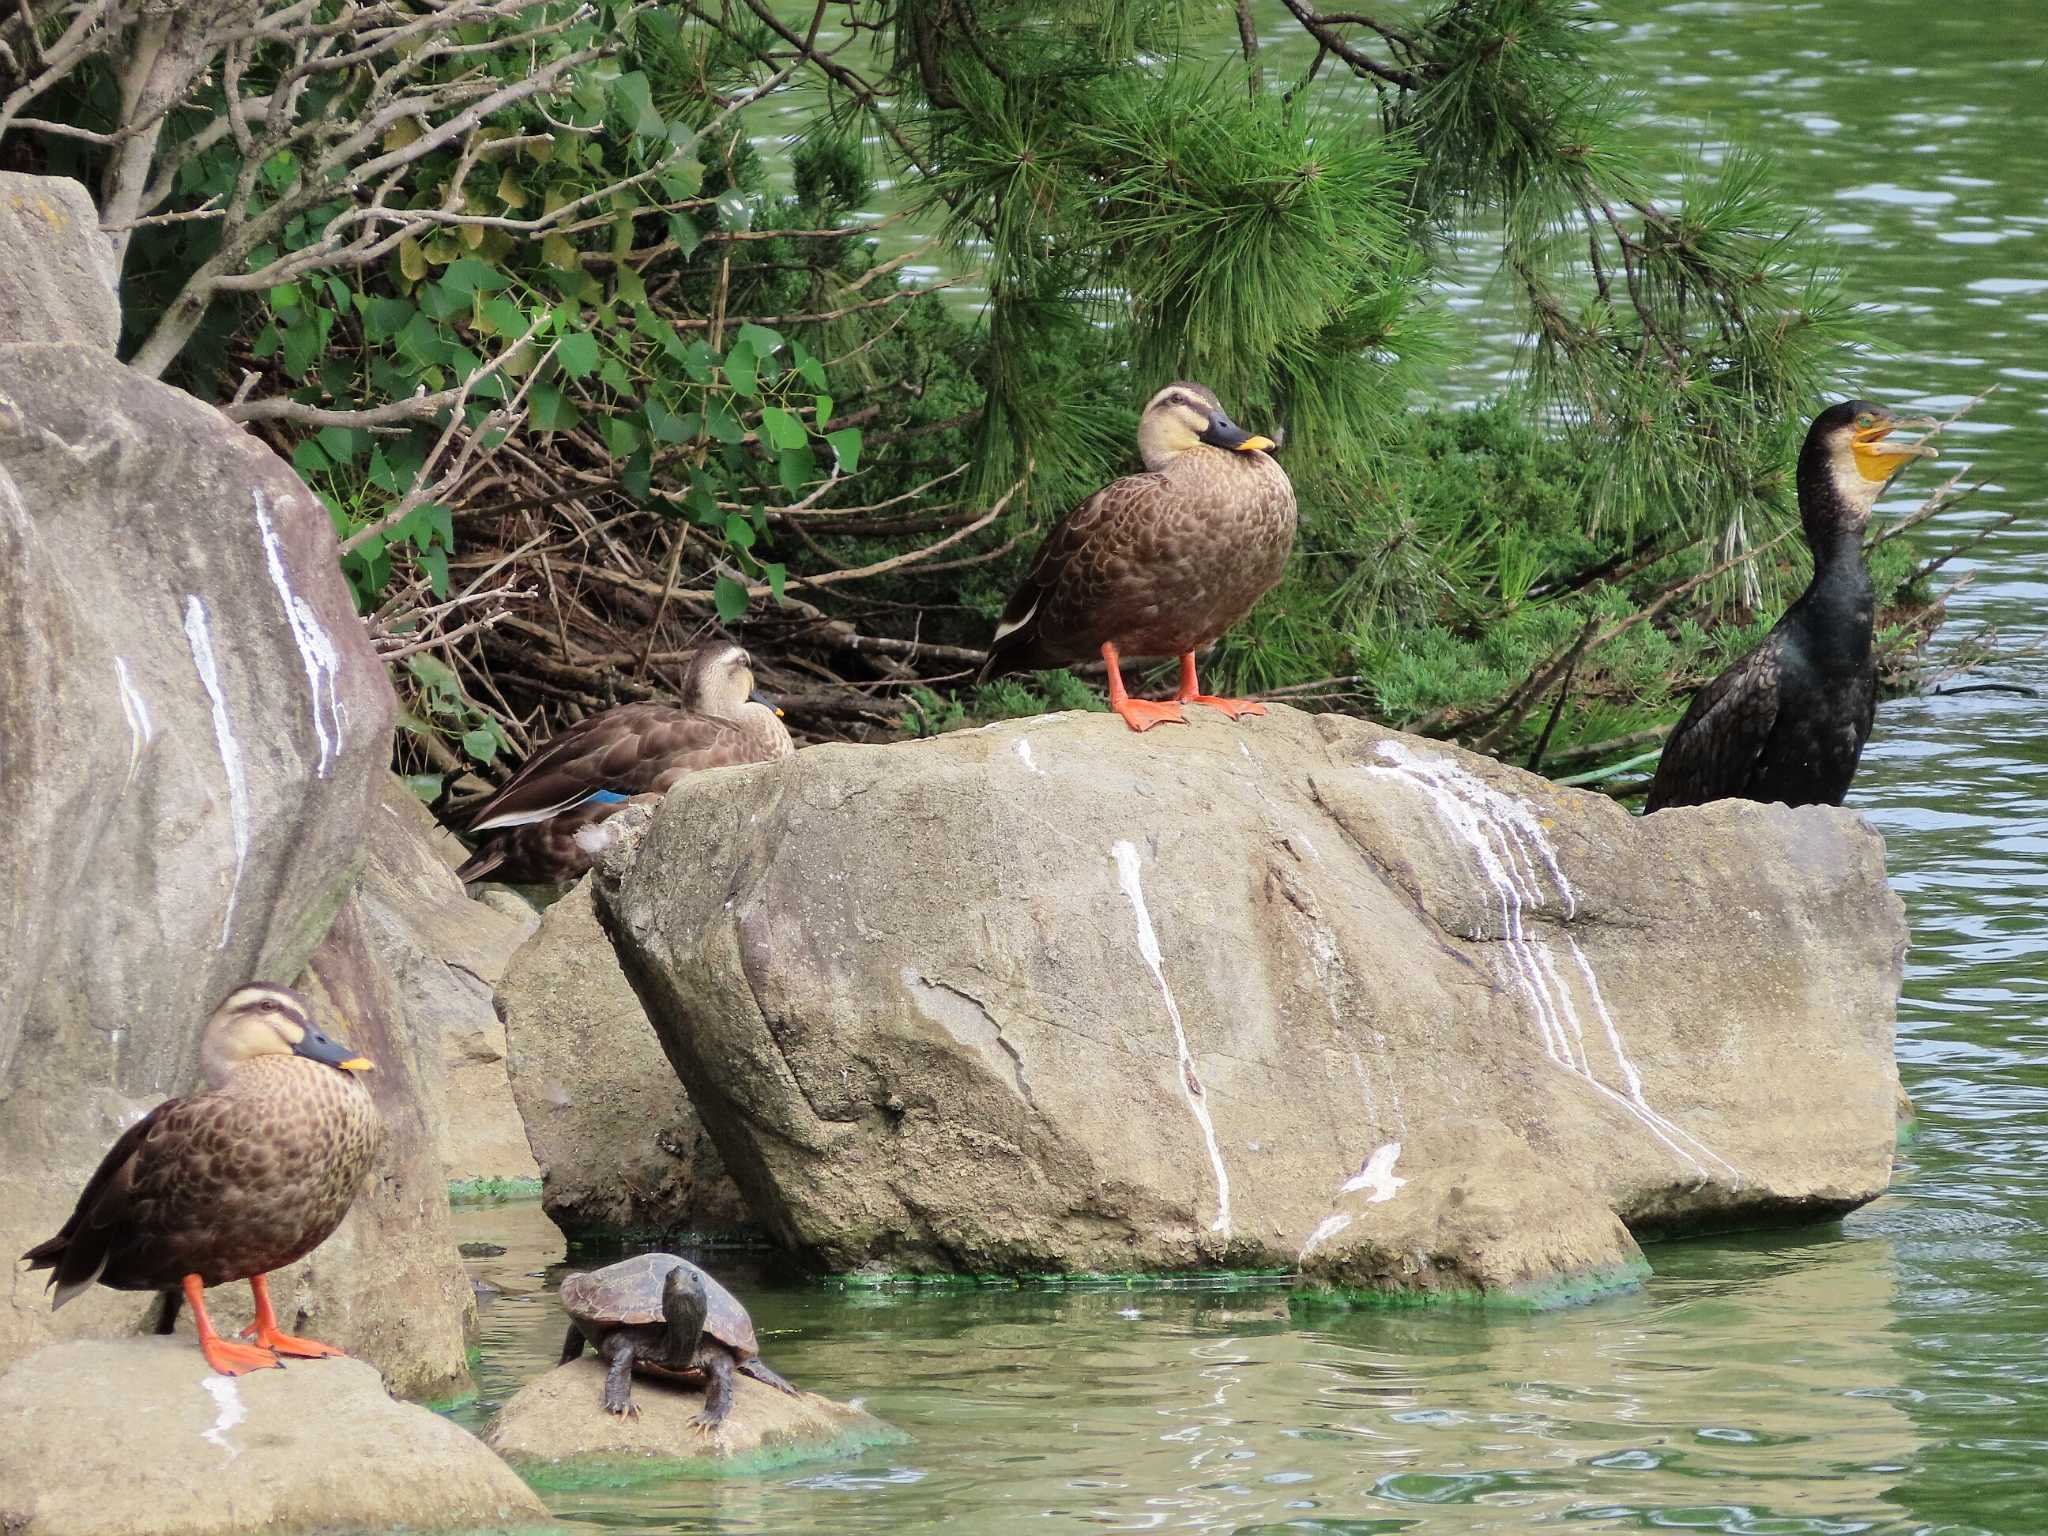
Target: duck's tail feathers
[74,1268]
[482,862]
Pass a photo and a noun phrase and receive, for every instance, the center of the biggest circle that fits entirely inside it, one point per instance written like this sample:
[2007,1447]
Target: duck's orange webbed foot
[267,1334]
[1191,693]
[228,1358]
[1237,709]
[231,1359]
[1139,714]
[298,1349]
[1143,714]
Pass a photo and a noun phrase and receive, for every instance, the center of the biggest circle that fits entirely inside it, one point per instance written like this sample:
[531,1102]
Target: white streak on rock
[1126,856]
[316,646]
[1326,1229]
[1515,855]
[1024,754]
[1377,1175]
[141,729]
[201,643]
[222,1390]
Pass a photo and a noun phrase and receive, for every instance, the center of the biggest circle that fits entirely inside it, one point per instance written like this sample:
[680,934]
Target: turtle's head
[684,1304]
[264,1020]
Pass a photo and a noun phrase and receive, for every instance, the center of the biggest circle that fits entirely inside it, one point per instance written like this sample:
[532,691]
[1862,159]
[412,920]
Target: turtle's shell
[628,1294]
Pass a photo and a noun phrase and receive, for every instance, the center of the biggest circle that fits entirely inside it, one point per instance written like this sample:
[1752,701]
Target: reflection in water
[1884,1377]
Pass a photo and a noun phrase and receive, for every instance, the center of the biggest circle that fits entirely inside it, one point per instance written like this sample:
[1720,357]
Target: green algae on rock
[492,1191]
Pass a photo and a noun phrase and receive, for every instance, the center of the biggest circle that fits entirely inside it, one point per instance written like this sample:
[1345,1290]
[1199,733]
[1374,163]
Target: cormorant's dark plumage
[1788,722]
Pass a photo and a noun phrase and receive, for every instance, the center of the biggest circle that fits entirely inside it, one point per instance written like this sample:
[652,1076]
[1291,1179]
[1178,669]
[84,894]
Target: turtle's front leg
[716,1365]
[618,1376]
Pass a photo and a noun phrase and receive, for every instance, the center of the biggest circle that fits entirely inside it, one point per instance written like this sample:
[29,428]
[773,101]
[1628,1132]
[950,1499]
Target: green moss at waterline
[1206,1279]
[1565,1291]
[618,1242]
[635,1471]
[492,1191]
[460,1400]
[1907,1133]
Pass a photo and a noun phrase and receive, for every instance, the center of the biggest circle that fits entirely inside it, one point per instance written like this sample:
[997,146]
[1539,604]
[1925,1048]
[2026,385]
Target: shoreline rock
[555,1432]
[623,1152]
[1055,996]
[136,1437]
[195,731]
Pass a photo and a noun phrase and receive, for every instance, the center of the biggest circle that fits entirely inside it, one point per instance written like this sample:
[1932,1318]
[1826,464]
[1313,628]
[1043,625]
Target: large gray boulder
[622,1151]
[1054,995]
[195,729]
[446,954]
[57,278]
[136,1437]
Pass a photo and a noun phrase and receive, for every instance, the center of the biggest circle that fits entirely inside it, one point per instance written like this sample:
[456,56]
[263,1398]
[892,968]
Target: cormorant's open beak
[758,697]
[1225,433]
[1877,459]
[316,1046]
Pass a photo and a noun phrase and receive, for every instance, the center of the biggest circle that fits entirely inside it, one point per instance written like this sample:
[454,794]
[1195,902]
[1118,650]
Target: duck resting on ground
[1789,720]
[1160,563]
[250,1176]
[590,770]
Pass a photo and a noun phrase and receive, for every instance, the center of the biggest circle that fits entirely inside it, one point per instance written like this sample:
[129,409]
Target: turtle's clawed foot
[626,1408]
[704,1423]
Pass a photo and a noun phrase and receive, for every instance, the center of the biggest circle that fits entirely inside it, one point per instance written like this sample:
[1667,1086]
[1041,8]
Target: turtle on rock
[663,1315]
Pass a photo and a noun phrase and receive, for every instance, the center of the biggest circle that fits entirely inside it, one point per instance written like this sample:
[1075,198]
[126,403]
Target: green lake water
[1885,1374]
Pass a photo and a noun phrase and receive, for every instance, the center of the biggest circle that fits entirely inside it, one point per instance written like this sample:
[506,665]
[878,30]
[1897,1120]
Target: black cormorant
[1789,720]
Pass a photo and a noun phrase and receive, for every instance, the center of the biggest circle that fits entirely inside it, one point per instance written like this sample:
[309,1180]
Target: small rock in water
[481,1250]
[559,1418]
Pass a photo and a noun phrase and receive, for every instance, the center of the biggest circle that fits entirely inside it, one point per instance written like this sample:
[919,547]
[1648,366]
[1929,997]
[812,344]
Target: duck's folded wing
[617,753]
[79,1252]
[1070,571]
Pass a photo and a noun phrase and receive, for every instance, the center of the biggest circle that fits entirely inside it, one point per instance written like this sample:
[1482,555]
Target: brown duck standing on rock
[1788,722]
[1157,564]
[584,775]
[232,1183]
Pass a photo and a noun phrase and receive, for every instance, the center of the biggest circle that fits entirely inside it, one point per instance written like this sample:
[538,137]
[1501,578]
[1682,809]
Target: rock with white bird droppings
[1296,992]
[194,730]
[136,1437]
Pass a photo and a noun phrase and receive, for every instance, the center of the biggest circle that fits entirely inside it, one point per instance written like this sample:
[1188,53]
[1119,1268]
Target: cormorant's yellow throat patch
[1877,459]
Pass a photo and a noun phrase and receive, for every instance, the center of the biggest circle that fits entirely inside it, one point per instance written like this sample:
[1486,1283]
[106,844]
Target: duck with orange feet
[232,1183]
[1159,563]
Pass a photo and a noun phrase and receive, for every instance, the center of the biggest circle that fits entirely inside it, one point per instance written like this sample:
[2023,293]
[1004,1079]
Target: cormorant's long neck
[1838,609]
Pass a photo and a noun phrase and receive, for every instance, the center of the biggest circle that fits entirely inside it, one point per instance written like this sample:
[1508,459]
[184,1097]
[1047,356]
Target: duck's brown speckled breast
[1200,555]
[251,1177]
